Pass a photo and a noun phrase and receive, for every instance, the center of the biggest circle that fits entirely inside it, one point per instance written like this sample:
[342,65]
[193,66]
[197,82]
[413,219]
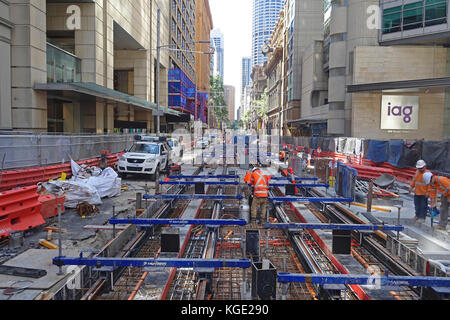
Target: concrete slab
[38,259]
[24,295]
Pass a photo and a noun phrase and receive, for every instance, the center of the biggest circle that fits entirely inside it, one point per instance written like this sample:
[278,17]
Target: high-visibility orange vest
[282,155]
[439,185]
[417,182]
[248,177]
[261,184]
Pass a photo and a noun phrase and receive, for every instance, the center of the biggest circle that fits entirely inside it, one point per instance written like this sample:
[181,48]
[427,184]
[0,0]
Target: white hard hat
[420,164]
[427,177]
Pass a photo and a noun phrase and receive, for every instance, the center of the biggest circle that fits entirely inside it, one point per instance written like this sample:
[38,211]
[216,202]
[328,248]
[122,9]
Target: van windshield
[145,148]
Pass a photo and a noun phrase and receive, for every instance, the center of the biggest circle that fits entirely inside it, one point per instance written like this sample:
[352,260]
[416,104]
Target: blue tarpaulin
[395,152]
[378,151]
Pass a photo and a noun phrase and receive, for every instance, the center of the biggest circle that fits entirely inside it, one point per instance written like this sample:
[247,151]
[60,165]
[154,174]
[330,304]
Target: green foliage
[217,97]
[261,106]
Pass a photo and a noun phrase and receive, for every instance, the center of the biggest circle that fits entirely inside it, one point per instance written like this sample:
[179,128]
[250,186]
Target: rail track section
[217,237]
[124,283]
[368,249]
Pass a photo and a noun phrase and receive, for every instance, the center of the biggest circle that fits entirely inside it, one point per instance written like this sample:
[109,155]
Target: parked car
[145,157]
[202,143]
[177,151]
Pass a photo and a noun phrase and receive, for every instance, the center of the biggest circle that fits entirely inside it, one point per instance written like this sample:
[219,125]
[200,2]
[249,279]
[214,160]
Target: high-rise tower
[265,15]
[217,39]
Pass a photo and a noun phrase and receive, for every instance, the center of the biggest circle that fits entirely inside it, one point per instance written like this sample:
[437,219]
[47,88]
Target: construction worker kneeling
[260,183]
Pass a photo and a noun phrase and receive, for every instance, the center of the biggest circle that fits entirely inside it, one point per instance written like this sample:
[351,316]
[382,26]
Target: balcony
[62,66]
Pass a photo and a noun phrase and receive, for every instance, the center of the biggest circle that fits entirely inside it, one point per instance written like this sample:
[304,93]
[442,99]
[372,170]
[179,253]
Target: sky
[234,19]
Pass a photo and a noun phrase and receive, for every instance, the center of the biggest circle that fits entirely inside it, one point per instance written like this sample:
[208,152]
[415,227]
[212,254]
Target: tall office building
[218,40]
[229,95]
[246,70]
[265,16]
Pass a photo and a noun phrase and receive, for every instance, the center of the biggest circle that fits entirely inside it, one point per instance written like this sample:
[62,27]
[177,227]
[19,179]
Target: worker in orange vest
[260,184]
[248,177]
[440,185]
[420,191]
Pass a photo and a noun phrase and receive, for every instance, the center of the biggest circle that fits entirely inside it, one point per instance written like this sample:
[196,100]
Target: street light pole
[196,83]
[158,57]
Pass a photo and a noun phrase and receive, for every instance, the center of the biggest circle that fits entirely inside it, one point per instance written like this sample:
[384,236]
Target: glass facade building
[245,73]
[413,15]
[217,40]
[265,16]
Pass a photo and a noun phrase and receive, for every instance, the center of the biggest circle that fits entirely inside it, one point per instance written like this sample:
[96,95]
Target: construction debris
[48,244]
[86,209]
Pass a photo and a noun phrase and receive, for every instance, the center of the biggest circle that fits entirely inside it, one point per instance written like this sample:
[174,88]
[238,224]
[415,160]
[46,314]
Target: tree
[245,120]
[261,106]
[217,95]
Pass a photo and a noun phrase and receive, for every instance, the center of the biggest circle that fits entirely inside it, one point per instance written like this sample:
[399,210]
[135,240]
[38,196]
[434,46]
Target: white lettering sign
[73,22]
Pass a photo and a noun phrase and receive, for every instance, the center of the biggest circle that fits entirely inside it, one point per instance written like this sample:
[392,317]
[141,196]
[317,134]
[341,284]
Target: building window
[412,15]
[435,12]
[392,19]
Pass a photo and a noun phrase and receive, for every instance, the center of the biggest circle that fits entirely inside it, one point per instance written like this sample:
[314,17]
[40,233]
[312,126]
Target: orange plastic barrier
[20,210]
[28,177]
[49,208]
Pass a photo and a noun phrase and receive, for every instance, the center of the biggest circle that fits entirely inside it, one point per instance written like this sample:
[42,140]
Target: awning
[304,121]
[82,91]
[403,84]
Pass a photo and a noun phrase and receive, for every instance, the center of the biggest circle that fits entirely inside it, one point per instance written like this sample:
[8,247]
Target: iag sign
[399,112]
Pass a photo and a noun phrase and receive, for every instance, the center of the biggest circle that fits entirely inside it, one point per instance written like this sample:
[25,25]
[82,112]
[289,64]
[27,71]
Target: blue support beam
[205,177]
[309,199]
[219,183]
[191,197]
[180,222]
[347,279]
[210,183]
[295,178]
[324,226]
[155,263]
[302,185]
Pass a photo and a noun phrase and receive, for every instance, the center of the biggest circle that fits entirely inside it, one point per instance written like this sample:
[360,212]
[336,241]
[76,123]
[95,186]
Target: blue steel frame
[191,197]
[295,178]
[309,199]
[210,183]
[348,279]
[302,185]
[205,177]
[182,222]
[213,183]
[155,263]
[324,226]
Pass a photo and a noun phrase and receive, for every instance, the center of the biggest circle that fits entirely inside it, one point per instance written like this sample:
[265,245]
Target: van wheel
[122,175]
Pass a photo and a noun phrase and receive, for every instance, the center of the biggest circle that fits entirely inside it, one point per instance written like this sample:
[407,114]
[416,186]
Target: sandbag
[108,184]
[75,192]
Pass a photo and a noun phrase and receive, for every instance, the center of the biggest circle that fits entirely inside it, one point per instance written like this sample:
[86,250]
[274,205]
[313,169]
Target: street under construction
[192,238]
